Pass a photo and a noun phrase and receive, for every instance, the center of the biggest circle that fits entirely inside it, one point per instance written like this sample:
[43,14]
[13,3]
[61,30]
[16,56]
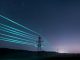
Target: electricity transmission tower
[39,44]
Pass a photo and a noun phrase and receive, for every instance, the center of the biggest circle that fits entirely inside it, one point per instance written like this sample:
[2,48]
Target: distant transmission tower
[39,44]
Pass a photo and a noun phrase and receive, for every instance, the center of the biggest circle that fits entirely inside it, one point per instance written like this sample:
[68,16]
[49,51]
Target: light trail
[17,38]
[18,30]
[19,24]
[16,33]
[37,34]
[16,41]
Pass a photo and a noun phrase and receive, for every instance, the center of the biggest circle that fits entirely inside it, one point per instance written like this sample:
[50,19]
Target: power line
[21,33]
[16,33]
[21,25]
[18,30]
[18,24]
[17,38]
[16,41]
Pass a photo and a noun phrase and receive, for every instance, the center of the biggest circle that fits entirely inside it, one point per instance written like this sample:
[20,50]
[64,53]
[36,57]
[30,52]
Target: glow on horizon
[71,47]
[62,51]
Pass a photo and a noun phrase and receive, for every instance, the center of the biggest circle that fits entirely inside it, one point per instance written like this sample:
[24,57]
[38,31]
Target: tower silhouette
[39,43]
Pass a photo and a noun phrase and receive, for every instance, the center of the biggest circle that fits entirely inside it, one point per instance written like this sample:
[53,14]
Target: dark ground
[11,54]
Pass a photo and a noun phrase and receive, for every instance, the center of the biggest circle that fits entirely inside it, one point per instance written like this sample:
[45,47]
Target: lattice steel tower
[39,44]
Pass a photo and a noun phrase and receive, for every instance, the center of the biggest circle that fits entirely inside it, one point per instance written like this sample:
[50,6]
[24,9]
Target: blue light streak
[19,30]
[19,24]
[20,33]
[16,33]
[16,41]
[17,38]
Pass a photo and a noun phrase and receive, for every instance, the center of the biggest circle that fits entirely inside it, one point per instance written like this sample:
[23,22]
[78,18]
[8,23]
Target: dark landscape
[12,54]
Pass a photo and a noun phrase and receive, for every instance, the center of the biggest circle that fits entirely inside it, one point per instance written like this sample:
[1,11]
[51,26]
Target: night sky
[57,20]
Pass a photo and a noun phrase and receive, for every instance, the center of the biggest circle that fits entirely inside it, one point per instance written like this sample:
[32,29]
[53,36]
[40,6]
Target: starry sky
[57,20]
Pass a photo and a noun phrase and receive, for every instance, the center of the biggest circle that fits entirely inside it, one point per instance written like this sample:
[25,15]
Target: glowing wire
[16,41]
[18,30]
[16,33]
[3,29]
[17,38]
[18,24]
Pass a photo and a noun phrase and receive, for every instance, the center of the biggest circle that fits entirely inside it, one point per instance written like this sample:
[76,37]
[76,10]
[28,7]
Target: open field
[11,54]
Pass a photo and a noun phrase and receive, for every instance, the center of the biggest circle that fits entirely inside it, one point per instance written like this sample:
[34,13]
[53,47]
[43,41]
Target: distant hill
[12,54]
[6,53]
